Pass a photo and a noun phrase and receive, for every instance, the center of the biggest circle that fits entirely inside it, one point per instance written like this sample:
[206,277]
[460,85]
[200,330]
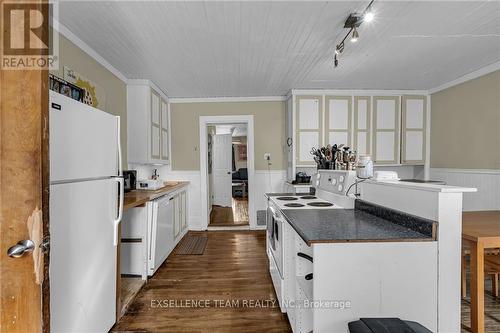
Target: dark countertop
[347,225]
[280,194]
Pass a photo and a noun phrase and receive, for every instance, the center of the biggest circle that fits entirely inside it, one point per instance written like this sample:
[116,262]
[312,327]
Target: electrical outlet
[267,156]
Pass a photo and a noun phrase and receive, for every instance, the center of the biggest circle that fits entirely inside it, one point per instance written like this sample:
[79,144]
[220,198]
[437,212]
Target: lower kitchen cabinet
[143,248]
[328,285]
[180,216]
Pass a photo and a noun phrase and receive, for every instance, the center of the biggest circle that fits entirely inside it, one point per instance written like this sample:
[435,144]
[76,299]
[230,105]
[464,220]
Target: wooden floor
[491,313]
[234,267]
[236,215]
[129,287]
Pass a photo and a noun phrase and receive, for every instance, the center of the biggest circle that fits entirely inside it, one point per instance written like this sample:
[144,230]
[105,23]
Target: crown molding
[63,30]
[467,77]
[228,99]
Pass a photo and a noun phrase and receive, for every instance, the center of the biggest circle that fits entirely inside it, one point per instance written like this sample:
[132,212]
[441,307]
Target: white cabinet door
[290,171]
[308,126]
[362,125]
[338,119]
[413,137]
[155,126]
[164,130]
[386,115]
[183,211]
[177,220]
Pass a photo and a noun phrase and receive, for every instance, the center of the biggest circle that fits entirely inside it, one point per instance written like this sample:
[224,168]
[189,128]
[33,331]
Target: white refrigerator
[86,204]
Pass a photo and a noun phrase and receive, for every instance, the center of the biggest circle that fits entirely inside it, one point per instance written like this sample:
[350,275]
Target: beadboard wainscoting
[487,183]
[265,181]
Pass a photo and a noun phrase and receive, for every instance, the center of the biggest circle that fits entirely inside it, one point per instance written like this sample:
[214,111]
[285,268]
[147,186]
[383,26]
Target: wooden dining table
[480,230]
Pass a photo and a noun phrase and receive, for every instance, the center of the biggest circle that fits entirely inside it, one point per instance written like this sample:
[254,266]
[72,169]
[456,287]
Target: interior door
[221,169]
[24,195]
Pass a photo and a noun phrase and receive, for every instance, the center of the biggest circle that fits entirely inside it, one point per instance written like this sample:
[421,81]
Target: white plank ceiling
[216,49]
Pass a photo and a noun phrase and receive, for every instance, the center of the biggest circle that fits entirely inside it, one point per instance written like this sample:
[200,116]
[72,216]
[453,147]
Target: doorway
[227,172]
[227,175]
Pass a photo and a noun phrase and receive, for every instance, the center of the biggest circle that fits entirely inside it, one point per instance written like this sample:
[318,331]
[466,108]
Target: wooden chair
[491,268]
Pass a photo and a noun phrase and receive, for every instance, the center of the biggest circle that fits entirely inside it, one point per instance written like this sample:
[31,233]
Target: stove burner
[287,198]
[293,205]
[320,204]
[308,197]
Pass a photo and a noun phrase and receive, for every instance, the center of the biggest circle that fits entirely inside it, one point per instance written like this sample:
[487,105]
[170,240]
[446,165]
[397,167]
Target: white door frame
[216,120]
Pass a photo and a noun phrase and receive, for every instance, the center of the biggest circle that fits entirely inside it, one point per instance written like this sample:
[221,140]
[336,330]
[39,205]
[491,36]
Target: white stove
[332,187]
[302,202]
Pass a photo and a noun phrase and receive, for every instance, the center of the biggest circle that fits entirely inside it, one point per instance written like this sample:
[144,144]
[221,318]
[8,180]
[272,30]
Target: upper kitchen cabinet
[148,123]
[386,122]
[413,133]
[362,125]
[390,126]
[338,119]
[308,128]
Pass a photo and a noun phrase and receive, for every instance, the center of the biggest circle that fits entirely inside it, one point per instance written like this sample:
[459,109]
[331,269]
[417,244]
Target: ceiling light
[355,35]
[353,22]
[368,17]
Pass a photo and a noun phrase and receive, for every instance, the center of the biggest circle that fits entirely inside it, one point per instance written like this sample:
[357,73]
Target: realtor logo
[28,41]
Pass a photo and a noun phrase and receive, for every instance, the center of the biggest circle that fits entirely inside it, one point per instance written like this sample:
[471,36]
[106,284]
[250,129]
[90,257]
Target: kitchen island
[343,264]
[393,252]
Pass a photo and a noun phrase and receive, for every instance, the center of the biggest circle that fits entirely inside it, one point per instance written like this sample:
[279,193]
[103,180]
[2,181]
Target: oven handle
[276,231]
[305,256]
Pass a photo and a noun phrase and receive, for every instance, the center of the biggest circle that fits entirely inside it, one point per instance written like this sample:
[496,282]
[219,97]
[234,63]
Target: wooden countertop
[140,197]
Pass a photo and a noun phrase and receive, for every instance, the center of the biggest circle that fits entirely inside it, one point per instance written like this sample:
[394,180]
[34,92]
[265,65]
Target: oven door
[278,244]
[270,228]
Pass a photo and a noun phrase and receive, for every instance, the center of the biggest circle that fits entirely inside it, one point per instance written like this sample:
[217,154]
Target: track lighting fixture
[355,35]
[339,49]
[353,22]
[368,17]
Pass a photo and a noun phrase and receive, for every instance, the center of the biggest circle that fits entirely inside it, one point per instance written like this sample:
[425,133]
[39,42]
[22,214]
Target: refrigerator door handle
[118,219]
[120,169]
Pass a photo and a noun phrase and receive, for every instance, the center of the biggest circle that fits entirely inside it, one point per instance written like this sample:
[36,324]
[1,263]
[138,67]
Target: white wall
[265,181]
[487,183]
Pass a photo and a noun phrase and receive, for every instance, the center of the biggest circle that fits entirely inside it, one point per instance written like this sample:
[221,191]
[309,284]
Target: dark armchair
[240,176]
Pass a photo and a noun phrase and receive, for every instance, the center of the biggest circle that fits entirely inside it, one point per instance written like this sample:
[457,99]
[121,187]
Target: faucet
[155,174]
